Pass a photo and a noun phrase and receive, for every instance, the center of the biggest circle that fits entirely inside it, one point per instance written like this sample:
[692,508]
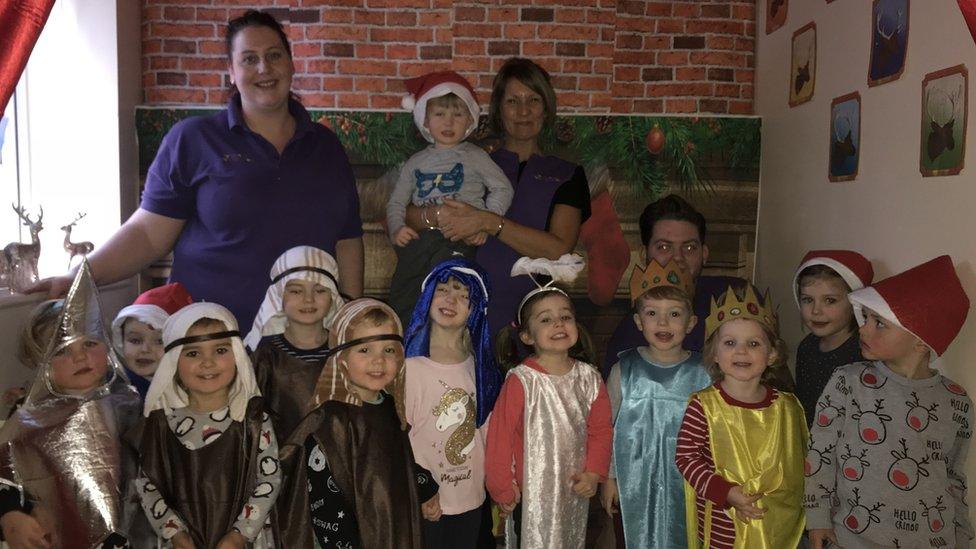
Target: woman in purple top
[228,193]
[552,198]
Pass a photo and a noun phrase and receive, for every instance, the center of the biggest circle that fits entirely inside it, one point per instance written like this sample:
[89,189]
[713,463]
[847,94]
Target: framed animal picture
[944,118]
[776,14]
[803,64]
[845,137]
[889,40]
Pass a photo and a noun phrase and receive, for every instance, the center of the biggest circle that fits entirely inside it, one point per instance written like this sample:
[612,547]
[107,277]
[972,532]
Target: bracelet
[425,217]
[501,224]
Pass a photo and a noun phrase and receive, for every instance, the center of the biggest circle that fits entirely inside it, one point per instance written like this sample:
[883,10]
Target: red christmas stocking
[608,254]
[21,22]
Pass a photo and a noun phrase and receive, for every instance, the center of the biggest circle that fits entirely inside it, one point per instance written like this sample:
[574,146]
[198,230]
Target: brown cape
[287,385]
[372,464]
[208,486]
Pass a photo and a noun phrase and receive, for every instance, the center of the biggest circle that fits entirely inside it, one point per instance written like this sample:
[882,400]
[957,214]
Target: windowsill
[11,301]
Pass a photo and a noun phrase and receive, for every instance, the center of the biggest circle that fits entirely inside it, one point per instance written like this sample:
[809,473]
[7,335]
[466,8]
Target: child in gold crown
[742,442]
[649,387]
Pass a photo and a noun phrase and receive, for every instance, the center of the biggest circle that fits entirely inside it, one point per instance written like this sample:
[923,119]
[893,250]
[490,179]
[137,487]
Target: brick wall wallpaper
[617,56]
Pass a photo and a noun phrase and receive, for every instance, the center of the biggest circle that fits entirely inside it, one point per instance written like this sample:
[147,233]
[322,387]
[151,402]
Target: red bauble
[654,140]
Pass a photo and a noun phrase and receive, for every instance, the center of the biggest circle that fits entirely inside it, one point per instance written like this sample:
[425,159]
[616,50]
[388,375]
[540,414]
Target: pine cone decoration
[565,131]
[604,124]
[482,131]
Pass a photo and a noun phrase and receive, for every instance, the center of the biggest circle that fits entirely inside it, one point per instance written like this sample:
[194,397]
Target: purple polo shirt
[244,204]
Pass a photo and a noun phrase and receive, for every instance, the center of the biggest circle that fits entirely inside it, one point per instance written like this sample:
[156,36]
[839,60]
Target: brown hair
[776,374]
[533,77]
[255,18]
[371,317]
[37,333]
[507,343]
[823,272]
[208,323]
[664,292]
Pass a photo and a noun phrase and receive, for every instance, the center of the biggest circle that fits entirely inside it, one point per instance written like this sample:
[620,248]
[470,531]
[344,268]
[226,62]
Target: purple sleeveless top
[534,192]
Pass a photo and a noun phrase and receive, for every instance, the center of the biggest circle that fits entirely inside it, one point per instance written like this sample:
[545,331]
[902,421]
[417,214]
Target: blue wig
[488,378]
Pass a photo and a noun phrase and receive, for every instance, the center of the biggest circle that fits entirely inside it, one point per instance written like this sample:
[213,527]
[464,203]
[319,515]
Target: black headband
[199,338]
[305,268]
[379,337]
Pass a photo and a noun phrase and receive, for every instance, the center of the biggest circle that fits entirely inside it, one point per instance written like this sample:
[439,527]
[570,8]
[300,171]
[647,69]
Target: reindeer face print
[853,465]
[860,517]
[934,514]
[871,424]
[816,459]
[827,412]
[919,416]
[869,378]
[905,470]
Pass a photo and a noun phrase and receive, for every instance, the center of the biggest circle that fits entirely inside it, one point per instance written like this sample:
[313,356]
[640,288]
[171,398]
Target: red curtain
[21,22]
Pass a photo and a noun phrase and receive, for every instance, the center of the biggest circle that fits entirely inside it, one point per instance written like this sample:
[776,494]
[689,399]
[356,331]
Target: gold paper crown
[654,275]
[751,307]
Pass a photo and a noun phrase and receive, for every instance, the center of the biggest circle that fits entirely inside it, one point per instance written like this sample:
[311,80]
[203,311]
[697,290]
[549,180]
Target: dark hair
[671,207]
[823,272]
[665,292]
[533,77]
[255,18]
[507,343]
[208,323]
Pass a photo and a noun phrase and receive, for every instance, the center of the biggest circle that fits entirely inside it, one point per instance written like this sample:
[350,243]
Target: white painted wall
[890,213]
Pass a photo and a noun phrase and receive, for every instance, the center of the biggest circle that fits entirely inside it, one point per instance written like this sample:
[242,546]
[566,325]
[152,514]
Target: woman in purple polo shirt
[228,193]
[552,198]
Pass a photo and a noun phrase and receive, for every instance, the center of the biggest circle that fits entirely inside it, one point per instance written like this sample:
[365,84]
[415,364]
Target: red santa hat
[853,267]
[438,84]
[927,300]
[152,307]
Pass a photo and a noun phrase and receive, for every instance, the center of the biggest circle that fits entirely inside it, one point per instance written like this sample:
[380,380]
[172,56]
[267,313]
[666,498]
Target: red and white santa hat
[927,300]
[438,84]
[152,307]
[853,267]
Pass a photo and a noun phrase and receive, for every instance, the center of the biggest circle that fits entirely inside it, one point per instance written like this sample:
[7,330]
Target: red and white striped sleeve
[694,457]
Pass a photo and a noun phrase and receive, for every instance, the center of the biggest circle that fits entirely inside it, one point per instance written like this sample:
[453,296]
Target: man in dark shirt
[671,228]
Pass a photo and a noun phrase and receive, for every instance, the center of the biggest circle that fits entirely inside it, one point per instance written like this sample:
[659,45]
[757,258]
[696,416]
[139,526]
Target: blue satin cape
[652,493]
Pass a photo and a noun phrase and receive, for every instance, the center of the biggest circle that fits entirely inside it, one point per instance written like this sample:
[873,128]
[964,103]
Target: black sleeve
[10,500]
[575,193]
[426,485]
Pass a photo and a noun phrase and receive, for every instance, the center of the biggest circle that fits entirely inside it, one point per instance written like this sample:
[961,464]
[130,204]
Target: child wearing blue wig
[451,386]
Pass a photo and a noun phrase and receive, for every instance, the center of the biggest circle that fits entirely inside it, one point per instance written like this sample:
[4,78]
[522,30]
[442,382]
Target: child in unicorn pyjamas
[446,112]
[451,386]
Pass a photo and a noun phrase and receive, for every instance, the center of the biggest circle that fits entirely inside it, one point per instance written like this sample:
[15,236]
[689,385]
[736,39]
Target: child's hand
[609,496]
[11,396]
[22,531]
[182,540]
[431,509]
[817,537]
[476,239]
[585,483]
[232,540]
[505,509]
[404,235]
[745,505]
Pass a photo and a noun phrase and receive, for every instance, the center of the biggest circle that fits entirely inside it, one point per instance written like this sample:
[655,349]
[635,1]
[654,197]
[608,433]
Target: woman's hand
[458,220]
[55,286]
[431,509]
[232,540]
[182,540]
[22,531]
[609,496]
[585,483]
[744,504]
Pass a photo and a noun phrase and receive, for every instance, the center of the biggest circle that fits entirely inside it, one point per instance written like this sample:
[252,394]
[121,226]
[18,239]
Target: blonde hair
[37,333]
[449,101]
[664,292]
[776,374]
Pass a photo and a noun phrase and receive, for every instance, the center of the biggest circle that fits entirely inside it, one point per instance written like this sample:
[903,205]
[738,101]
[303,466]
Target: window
[62,137]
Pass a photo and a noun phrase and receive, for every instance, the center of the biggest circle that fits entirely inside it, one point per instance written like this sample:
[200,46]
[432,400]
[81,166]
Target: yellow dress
[762,450]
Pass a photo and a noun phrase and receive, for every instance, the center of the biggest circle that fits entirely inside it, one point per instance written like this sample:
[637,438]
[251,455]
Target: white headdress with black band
[165,391]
